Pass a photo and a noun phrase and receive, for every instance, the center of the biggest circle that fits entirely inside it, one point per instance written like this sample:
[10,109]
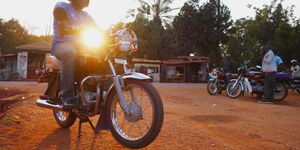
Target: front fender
[212,80]
[132,75]
[135,75]
[233,80]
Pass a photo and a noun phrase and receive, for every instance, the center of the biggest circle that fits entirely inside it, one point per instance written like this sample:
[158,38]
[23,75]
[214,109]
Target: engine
[257,87]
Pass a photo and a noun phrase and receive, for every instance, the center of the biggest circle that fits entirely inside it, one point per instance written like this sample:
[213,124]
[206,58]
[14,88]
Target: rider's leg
[269,87]
[66,53]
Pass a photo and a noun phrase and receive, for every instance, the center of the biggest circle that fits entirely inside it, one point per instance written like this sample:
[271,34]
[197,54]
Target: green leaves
[12,34]
[202,29]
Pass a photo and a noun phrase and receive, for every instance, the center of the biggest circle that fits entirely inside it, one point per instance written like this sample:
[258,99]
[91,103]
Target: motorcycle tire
[64,119]
[230,93]
[212,87]
[117,130]
[284,94]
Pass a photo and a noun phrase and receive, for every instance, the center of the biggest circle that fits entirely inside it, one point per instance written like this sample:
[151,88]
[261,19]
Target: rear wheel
[281,92]
[142,126]
[64,119]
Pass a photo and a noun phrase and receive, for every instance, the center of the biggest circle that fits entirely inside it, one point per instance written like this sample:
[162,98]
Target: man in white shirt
[269,68]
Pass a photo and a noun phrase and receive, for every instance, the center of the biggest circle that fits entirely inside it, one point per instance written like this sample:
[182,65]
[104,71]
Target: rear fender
[212,80]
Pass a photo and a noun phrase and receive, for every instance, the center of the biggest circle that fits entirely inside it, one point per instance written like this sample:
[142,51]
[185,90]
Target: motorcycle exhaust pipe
[43,103]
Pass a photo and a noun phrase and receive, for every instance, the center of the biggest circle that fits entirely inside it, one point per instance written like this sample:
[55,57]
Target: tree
[273,26]
[202,29]
[156,10]
[154,38]
[13,35]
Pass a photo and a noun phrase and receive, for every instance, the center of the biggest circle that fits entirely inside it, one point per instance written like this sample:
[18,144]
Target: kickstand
[83,120]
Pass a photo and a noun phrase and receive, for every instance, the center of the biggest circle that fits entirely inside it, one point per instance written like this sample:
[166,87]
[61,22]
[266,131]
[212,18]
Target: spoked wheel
[234,90]
[212,87]
[281,92]
[64,119]
[142,126]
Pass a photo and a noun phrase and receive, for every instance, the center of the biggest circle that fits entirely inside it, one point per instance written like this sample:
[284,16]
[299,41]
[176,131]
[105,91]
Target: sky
[36,15]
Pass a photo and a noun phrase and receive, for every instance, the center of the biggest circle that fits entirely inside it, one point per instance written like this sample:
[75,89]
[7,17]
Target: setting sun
[92,37]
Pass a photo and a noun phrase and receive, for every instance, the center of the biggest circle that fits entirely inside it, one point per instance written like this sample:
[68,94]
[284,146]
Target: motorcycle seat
[234,76]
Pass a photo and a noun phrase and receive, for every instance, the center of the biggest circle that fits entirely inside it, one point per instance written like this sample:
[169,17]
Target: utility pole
[219,7]
[1,36]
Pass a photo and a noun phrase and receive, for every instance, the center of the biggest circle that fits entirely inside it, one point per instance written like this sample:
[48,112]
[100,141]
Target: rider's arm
[91,22]
[60,14]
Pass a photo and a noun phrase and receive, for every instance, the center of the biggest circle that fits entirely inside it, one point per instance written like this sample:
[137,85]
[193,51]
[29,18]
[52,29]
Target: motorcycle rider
[295,68]
[269,68]
[228,68]
[69,19]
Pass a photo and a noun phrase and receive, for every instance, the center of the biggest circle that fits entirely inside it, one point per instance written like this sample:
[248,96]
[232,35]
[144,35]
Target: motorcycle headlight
[127,40]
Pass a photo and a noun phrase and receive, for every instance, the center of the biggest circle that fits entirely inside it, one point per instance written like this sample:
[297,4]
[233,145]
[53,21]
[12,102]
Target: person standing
[269,68]
[228,68]
[279,63]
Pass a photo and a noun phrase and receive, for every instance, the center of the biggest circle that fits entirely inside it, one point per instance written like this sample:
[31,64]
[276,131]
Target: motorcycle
[126,102]
[252,81]
[218,81]
[294,83]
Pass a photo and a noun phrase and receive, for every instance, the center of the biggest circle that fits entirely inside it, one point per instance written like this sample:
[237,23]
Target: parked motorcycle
[131,107]
[252,81]
[294,83]
[218,82]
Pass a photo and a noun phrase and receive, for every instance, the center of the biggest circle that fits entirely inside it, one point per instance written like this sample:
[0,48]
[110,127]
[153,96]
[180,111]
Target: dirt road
[193,120]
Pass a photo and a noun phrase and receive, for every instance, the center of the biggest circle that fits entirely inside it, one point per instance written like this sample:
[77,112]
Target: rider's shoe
[69,104]
[52,101]
[49,99]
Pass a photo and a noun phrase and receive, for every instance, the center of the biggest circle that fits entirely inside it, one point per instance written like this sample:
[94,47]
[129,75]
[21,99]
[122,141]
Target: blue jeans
[66,53]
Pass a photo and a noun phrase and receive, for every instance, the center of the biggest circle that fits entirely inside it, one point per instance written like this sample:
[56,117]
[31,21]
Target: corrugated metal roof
[183,61]
[36,46]
[139,60]
[8,55]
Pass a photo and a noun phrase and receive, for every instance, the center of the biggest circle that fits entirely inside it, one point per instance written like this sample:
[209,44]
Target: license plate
[120,61]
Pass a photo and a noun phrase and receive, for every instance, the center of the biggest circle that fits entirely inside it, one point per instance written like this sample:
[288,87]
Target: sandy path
[193,120]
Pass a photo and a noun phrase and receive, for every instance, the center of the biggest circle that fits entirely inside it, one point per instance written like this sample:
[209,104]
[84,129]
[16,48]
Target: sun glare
[92,37]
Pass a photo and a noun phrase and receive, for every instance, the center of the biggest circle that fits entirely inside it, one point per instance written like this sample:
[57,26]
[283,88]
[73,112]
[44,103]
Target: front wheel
[234,90]
[212,87]
[281,92]
[142,125]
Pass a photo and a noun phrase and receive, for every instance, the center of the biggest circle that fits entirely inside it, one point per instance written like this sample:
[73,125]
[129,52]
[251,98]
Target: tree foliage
[156,10]
[273,26]
[202,29]
[12,34]
[207,29]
